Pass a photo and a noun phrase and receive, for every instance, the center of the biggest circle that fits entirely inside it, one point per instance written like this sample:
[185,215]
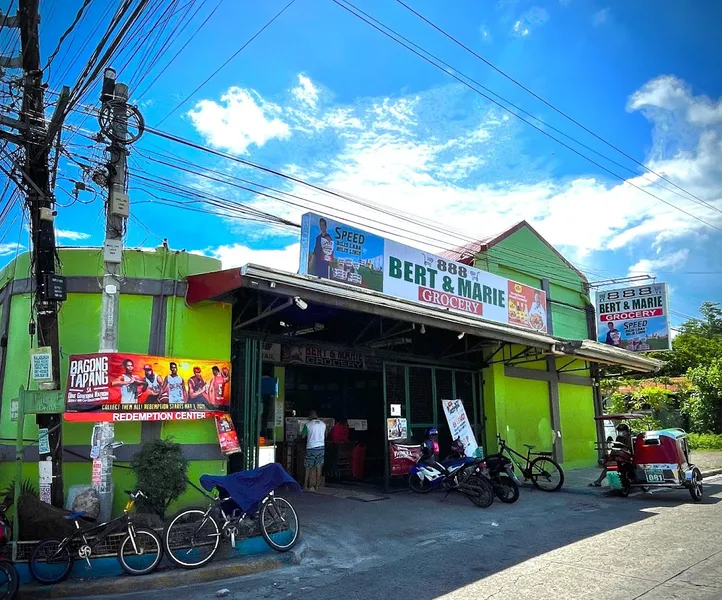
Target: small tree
[161,473]
[704,404]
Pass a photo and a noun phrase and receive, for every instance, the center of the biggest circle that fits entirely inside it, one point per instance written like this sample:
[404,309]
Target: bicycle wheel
[484,495]
[279,524]
[49,563]
[191,538]
[9,580]
[546,474]
[418,485]
[143,556]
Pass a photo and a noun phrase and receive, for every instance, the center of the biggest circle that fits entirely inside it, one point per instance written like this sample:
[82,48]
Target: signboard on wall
[136,387]
[634,318]
[332,250]
[322,357]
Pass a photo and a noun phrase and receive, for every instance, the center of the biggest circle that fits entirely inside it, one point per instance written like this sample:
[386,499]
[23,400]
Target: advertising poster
[459,425]
[417,276]
[402,457]
[333,250]
[397,428]
[634,318]
[121,387]
[227,436]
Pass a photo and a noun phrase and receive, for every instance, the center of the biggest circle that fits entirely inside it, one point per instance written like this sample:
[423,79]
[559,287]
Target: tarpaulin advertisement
[634,318]
[402,457]
[333,250]
[227,436]
[136,387]
[459,425]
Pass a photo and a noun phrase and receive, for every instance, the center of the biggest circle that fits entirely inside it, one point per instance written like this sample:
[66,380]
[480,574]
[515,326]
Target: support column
[554,409]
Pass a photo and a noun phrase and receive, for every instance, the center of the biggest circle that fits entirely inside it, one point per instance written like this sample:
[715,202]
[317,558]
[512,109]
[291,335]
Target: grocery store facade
[350,351]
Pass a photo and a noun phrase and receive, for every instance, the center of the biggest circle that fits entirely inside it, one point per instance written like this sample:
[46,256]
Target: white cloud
[485,34]
[241,119]
[601,17]
[64,234]
[669,262]
[529,20]
[306,92]
[10,248]
[669,93]
[238,255]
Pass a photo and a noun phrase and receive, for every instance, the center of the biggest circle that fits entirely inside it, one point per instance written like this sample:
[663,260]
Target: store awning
[213,286]
[609,355]
[218,285]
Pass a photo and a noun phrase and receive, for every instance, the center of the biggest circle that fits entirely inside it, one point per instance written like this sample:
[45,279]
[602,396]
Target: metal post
[18,471]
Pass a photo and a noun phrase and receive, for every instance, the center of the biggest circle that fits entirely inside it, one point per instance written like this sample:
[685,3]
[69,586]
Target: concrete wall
[152,321]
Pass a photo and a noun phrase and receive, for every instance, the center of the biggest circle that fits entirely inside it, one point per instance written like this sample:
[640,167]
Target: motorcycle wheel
[418,485]
[695,489]
[484,497]
[626,487]
[506,489]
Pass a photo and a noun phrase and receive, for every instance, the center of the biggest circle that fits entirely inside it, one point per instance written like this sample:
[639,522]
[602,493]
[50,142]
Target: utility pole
[114,119]
[49,288]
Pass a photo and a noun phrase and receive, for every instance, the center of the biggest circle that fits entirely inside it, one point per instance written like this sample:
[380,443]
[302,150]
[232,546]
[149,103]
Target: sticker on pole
[41,364]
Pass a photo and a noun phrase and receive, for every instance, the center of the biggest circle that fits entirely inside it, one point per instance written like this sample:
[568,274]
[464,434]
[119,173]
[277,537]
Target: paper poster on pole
[397,429]
[43,441]
[459,425]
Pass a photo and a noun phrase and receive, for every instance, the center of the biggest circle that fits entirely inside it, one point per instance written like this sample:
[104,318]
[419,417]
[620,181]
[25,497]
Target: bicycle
[9,578]
[193,536]
[139,553]
[542,471]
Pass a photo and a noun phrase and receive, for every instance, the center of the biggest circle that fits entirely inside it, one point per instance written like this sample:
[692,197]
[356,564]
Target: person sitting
[624,438]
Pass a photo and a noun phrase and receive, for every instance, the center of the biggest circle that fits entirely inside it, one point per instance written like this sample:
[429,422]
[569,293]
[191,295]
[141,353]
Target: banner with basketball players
[122,387]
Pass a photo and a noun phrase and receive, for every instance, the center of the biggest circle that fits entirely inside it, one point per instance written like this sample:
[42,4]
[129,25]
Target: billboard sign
[333,250]
[136,387]
[634,318]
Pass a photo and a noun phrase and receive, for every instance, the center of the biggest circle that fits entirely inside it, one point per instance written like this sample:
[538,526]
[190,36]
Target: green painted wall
[524,417]
[198,332]
[579,431]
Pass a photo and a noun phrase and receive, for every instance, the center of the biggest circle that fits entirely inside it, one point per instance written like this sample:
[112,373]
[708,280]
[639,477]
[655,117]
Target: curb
[171,578]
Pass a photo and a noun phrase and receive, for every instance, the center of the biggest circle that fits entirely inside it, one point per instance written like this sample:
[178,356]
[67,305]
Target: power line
[68,31]
[554,108]
[236,53]
[471,87]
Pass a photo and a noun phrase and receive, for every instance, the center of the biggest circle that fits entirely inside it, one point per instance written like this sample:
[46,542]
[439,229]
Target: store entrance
[347,397]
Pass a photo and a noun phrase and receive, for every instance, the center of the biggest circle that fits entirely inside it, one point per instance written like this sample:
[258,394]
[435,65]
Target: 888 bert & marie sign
[337,251]
[634,318]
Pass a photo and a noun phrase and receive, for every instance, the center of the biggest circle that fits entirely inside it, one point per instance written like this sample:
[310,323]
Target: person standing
[131,386]
[315,433]
[197,388]
[174,387]
[322,256]
[614,338]
[154,383]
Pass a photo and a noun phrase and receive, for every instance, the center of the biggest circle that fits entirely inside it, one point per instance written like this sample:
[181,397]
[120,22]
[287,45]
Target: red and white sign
[451,301]
[634,314]
[402,457]
[137,417]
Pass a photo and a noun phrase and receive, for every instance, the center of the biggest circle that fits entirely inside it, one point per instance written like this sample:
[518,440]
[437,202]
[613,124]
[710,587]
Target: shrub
[705,441]
[161,473]
[704,405]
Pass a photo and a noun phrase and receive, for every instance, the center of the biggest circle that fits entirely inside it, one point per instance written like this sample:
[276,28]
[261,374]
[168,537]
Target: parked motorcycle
[463,474]
[499,470]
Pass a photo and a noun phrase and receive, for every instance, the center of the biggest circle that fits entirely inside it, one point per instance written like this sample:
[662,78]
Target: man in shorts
[315,433]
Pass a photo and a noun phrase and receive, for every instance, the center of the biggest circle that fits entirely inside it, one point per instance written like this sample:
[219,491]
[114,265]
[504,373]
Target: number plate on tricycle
[654,476]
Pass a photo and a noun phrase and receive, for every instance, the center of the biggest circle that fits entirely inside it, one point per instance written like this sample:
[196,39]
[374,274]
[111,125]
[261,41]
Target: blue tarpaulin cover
[248,488]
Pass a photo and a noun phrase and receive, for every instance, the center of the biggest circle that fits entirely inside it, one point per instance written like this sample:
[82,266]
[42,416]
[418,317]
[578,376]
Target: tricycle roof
[671,433]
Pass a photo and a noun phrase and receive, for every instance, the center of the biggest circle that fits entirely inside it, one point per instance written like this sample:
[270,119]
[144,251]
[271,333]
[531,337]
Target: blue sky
[322,95]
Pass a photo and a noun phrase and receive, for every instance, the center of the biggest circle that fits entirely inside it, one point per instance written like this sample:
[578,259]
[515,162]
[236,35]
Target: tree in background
[161,472]
[704,405]
[698,345]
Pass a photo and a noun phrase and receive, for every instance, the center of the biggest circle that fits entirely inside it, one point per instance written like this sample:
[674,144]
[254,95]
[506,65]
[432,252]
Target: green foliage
[161,473]
[8,494]
[703,407]
[699,343]
[643,399]
[705,441]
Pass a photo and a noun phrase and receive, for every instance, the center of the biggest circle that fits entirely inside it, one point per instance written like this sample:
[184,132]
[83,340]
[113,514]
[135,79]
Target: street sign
[38,402]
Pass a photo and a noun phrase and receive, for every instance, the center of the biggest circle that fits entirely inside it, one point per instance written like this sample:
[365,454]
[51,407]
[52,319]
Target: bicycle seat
[75,515]
[530,446]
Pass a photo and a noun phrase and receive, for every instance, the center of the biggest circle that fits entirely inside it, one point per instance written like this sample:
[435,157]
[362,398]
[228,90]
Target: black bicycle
[192,537]
[539,467]
[9,579]
[139,552]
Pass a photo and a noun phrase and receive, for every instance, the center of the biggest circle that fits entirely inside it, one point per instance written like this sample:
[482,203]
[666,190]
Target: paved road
[557,546]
